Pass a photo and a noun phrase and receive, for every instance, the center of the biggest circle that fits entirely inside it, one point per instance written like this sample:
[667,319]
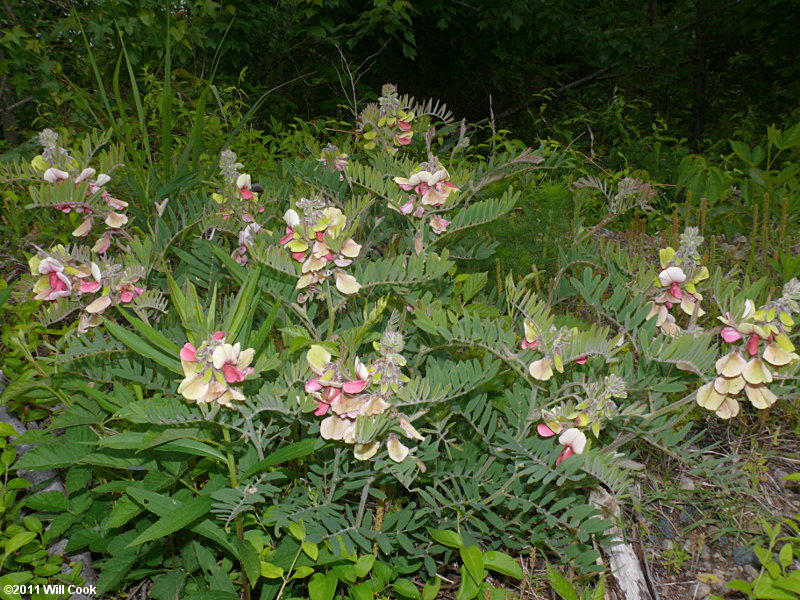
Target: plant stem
[226,435]
[331,310]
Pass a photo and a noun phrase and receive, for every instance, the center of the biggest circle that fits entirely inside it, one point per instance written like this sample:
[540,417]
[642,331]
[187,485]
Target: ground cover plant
[302,370]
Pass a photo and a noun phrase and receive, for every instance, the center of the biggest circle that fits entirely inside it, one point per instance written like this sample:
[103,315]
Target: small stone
[750,572]
[744,556]
[687,483]
[702,590]
[665,528]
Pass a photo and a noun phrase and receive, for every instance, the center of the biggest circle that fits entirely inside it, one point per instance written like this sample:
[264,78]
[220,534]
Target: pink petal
[320,235]
[232,373]
[405,186]
[314,385]
[530,345]
[354,387]
[246,194]
[582,360]
[752,344]
[299,256]
[189,353]
[565,454]
[404,126]
[218,335]
[675,290]
[287,238]
[730,335]
[89,287]
[544,430]
[321,409]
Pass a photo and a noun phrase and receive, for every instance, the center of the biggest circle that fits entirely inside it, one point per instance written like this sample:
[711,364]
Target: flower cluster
[235,185]
[386,124]
[542,369]
[62,275]
[596,407]
[57,167]
[356,401]
[761,335]
[316,240]
[677,281]
[212,369]
[432,188]
[334,159]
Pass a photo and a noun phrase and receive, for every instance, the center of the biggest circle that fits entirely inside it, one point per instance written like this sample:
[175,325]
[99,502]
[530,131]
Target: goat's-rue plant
[212,370]
[760,347]
[676,284]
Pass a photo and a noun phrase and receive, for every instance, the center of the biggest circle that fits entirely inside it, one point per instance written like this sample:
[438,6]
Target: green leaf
[47,502]
[406,588]
[785,556]
[446,537]
[194,447]
[287,453]
[468,588]
[168,586]
[473,560]
[311,549]
[322,587]
[174,520]
[561,585]
[162,505]
[6,430]
[243,306]
[431,589]
[503,564]
[270,571]
[19,540]
[250,561]
[143,348]
[364,565]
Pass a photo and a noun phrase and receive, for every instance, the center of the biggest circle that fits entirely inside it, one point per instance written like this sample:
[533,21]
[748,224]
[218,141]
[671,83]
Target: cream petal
[195,389]
[116,220]
[84,228]
[366,451]
[756,372]
[99,305]
[728,409]
[291,218]
[397,450]
[760,396]
[775,355]
[317,357]
[709,398]
[671,275]
[346,284]
[350,249]
[573,438]
[541,369]
[245,358]
[731,365]
[243,181]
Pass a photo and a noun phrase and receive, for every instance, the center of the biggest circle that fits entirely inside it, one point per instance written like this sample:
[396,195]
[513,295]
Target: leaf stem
[226,435]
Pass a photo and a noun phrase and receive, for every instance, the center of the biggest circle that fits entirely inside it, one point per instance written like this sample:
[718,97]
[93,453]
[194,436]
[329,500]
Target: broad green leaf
[446,537]
[270,571]
[162,505]
[19,540]
[144,348]
[250,561]
[178,518]
[287,453]
[503,564]
[468,588]
[431,589]
[322,587]
[364,565]
[406,588]
[472,558]
[311,549]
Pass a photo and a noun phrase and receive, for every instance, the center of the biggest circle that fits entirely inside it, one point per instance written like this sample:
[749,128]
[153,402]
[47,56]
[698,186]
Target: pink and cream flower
[212,370]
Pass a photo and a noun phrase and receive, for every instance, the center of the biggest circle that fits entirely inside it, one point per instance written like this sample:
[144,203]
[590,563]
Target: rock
[744,556]
[702,590]
[687,483]
[750,572]
[665,528]
[689,515]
